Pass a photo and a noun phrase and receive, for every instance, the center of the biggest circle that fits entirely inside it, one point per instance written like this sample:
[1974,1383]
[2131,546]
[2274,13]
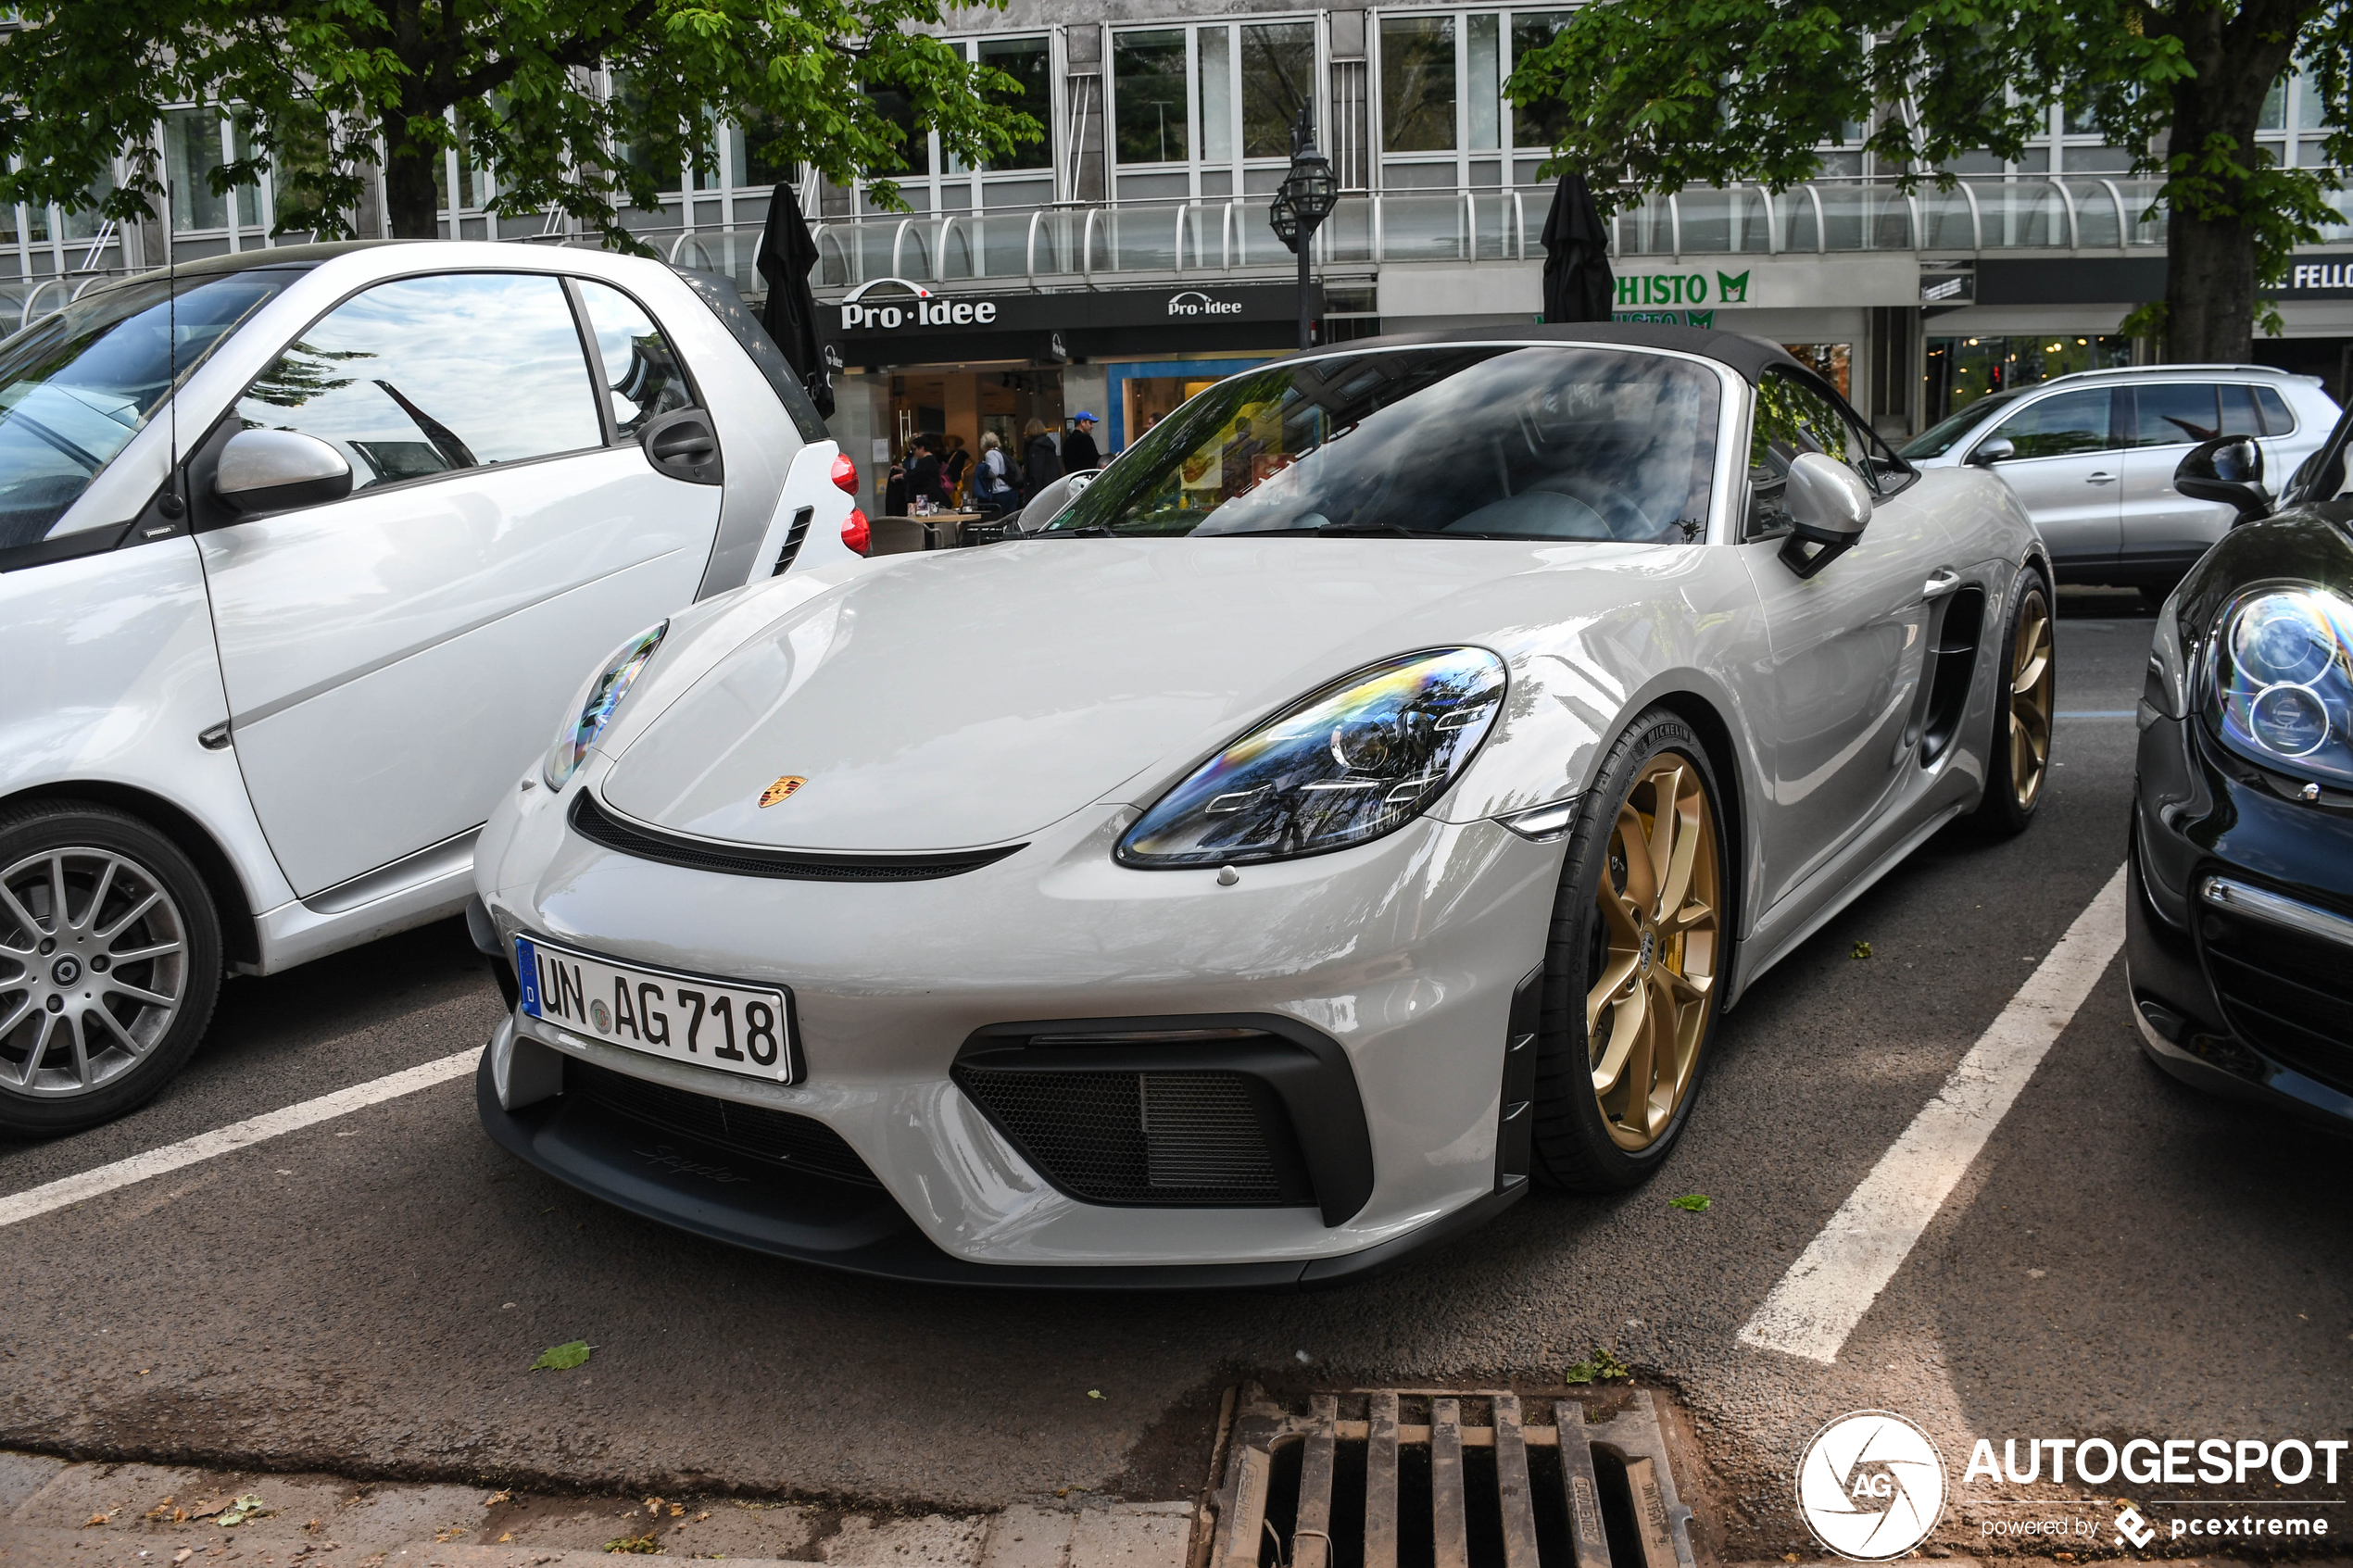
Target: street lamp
[1309,192]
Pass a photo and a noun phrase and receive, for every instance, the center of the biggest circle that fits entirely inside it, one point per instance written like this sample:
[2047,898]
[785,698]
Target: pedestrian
[992,479]
[956,463]
[1040,464]
[895,489]
[926,478]
[1079,454]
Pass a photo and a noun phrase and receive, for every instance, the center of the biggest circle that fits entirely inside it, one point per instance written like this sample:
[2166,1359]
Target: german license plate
[662,1012]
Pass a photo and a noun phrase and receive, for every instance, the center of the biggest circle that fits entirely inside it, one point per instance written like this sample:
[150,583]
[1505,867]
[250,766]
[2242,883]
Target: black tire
[2006,809]
[1576,1145]
[81,1069]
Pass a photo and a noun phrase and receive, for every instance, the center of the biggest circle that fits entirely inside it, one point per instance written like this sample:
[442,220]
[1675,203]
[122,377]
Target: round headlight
[1357,760]
[598,702]
[2282,681]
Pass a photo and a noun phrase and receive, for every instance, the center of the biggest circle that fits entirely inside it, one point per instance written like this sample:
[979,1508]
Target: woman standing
[992,481]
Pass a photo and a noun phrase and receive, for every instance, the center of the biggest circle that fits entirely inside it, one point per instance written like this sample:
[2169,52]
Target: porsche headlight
[2282,681]
[1359,759]
[598,702]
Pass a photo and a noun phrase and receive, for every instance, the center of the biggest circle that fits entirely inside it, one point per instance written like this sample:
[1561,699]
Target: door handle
[1941,585]
[2099,479]
[688,441]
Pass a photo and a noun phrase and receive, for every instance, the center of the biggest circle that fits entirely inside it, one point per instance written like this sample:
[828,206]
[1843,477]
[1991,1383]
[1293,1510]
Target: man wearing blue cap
[1078,445]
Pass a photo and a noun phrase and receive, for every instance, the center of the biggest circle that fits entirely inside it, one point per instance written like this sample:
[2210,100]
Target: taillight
[845,474]
[855,534]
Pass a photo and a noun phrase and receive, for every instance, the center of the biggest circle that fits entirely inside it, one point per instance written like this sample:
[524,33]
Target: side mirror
[276,471]
[1828,506]
[1993,449]
[2229,468]
[1053,497]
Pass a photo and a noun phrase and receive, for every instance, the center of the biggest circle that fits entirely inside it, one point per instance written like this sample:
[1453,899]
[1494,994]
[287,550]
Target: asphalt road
[367,1295]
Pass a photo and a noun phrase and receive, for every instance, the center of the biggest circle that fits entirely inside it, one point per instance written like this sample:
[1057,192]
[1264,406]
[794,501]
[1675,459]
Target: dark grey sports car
[2240,935]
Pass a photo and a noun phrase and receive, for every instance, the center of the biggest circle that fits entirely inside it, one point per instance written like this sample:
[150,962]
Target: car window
[428,375]
[2174,414]
[1941,436]
[2239,417]
[1467,441]
[641,369]
[76,386]
[2278,420]
[2060,426]
[1792,417]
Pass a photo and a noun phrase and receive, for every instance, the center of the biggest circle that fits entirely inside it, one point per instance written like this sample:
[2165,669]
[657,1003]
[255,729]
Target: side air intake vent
[800,532]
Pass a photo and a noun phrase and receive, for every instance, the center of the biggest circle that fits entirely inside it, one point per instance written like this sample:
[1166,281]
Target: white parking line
[242,1134]
[1829,1288]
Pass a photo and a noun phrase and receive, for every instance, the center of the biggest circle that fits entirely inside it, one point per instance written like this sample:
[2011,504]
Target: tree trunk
[2210,258]
[2209,290]
[412,204]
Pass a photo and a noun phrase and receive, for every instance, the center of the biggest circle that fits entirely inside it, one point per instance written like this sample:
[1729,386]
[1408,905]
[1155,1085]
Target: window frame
[2120,422]
[586,329]
[1197,167]
[1884,485]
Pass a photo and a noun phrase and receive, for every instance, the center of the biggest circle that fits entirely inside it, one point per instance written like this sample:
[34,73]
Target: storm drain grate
[1419,1478]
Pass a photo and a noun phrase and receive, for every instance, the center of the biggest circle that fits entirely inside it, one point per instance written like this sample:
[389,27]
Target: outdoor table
[935,531]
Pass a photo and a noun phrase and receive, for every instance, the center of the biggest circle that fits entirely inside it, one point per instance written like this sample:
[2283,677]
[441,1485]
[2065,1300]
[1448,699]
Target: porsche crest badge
[781,789]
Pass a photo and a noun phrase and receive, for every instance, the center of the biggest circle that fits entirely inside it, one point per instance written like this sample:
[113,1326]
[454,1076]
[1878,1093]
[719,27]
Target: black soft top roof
[1747,355]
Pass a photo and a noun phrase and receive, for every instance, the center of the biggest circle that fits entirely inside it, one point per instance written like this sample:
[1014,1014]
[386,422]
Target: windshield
[1945,434]
[1478,442]
[76,386]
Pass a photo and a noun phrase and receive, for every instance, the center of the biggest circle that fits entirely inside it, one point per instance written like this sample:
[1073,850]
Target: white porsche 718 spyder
[1357,806]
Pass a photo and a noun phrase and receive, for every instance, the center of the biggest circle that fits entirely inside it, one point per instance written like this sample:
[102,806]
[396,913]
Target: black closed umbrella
[784,259]
[1578,285]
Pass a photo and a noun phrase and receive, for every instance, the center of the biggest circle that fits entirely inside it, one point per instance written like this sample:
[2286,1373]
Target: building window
[1278,79]
[1030,62]
[192,151]
[1147,76]
[1417,84]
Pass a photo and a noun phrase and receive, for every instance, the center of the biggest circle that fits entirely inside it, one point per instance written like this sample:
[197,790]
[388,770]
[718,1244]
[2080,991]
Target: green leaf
[249,1506]
[1598,1367]
[1860,950]
[1691,1202]
[562,1358]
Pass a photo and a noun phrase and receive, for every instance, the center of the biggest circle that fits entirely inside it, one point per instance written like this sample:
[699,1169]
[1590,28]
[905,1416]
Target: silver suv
[2092,458]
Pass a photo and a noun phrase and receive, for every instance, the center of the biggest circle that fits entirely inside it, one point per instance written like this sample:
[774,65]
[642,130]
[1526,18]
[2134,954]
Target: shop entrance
[964,402]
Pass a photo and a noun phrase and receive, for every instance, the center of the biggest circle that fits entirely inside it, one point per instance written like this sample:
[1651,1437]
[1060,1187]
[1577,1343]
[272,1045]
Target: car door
[395,658]
[2165,530]
[1847,646]
[2065,469]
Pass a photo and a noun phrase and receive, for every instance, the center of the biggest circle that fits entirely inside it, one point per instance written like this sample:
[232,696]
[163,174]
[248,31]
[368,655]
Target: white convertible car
[1357,806]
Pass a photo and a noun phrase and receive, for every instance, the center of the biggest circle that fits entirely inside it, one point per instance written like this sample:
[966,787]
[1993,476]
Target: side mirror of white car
[1999,449]
[274,470]
[1827,505]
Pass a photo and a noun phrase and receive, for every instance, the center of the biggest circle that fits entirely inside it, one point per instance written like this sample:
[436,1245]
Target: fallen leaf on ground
[1691,1202]
[678,1511]
[562,1358]
[1860,950]
[495,1498]
[249,1506]
[505,1538]
[95,1519]
[1094,1393]
[642,1546]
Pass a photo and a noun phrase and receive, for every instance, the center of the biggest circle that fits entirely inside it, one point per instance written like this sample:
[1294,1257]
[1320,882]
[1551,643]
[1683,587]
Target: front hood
[973,696]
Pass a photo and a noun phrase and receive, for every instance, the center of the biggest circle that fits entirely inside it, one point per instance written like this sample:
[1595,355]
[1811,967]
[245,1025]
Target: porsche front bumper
[1381,979]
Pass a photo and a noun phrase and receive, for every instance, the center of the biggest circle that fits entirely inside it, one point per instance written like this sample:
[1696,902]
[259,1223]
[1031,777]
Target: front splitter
[662,1177]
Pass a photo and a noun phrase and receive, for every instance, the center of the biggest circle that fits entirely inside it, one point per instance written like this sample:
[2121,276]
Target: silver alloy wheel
[94,966]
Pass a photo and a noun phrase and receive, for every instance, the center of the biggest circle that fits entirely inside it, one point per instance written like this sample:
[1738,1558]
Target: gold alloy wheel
[2030,689]
[1654,981]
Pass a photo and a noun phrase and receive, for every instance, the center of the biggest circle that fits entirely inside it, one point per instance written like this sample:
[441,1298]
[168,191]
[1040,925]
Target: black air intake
[776,1136]
[1221,1110]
